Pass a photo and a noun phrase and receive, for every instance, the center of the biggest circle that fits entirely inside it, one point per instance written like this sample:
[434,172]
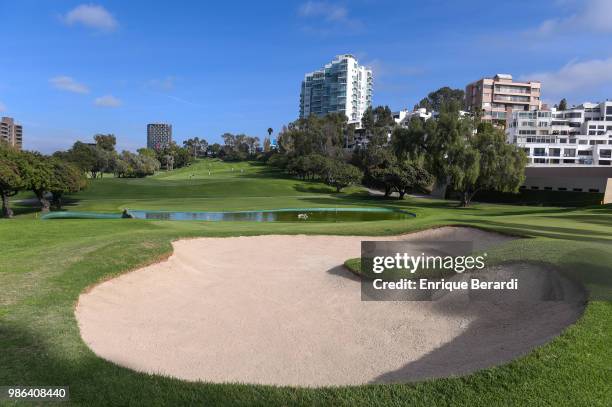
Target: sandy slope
[282,310]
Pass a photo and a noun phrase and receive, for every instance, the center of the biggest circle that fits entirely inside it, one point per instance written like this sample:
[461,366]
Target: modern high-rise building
[11,133]
[581,135]
[159,135]
[496,98]
[342,86]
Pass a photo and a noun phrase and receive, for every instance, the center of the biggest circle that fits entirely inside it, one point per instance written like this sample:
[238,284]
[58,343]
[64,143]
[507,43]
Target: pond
[271,215]
[282,215]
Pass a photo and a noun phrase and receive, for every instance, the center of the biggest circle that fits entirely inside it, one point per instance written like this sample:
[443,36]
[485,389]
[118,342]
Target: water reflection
[289,215]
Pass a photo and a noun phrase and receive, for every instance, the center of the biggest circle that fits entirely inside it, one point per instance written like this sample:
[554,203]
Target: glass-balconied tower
[342,86]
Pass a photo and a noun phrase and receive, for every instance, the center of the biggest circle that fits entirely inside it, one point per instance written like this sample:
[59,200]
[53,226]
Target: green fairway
[45,265]
[229,186]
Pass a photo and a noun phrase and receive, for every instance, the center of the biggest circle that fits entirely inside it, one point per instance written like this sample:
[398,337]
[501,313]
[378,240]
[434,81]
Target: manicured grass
[354,265]
[45,265]
[247,186]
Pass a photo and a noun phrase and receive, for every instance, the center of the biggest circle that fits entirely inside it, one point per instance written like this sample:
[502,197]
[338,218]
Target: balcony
[510,99]
[512,90]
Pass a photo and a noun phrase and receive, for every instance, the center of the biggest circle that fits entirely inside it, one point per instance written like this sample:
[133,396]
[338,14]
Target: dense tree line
[101,157]
[238,147]
[460,153]
[313,148]
[333,172]
[45,176]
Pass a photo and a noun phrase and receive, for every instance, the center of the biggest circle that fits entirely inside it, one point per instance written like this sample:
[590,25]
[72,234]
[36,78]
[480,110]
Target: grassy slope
[248,186]
[45,265]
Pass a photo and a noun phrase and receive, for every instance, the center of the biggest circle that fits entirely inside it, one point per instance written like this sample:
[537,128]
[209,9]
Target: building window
[577,189]
[593,190]
[561,189]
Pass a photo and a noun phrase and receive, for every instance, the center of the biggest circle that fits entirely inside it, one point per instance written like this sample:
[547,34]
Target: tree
[367,119]
[270,131]
[436,99]
[238,147]
[563,104]
[90,158]
[196,146]
[377,123]
[267,145]
[340,175]
[169,162]
[384,116]
[11,181]
[486,162]
[502,165]
[147,152]
[121,166]
[463,170]
[374,160]
[252,144]
[132,165]
[442,136]
[106,142]
[410,142]
[38,177]
[180,156]
[214,149]
[66,178]
[407,176]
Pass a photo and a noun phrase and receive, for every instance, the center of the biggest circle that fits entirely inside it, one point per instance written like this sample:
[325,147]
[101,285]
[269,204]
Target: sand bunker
[283,310]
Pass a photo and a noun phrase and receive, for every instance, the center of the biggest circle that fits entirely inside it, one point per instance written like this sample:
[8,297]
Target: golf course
[47,265]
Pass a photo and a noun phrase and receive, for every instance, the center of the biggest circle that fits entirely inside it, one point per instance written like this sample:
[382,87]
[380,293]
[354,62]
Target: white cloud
[165,84]
[575,78]
[93,16]
[69,84]
[594,15]
[325,16]
[107,101]
[330,12]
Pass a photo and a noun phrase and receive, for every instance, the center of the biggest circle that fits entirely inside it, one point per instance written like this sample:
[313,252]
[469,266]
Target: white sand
[283,310]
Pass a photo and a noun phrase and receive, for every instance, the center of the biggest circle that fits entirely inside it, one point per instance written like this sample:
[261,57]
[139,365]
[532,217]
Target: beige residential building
[496,98]
[11,133]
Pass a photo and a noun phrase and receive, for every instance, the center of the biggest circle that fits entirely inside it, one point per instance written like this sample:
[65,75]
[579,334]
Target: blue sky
[71,69]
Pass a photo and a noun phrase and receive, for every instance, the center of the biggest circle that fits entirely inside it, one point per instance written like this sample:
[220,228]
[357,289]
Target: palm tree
[270,131]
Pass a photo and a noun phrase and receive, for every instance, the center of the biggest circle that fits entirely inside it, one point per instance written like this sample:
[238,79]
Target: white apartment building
[579,136]
[342,86]
[404,116]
